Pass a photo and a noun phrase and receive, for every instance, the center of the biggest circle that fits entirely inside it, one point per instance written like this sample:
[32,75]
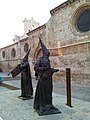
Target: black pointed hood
[44,49]
[26,56]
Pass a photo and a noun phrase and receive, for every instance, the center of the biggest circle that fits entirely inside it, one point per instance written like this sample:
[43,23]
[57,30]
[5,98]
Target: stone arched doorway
[38,53]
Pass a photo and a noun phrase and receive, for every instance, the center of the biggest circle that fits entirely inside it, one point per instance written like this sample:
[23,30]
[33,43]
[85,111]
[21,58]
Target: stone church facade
[66,35]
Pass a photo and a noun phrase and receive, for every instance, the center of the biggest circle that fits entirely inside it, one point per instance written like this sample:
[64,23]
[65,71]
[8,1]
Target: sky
[13,12]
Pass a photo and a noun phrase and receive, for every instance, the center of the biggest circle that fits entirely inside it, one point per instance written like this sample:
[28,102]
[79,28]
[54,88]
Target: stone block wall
[61,26]
[77,58]
[69,48]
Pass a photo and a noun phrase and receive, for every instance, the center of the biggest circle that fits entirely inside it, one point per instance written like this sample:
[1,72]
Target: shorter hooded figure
[26,80]
[43,95]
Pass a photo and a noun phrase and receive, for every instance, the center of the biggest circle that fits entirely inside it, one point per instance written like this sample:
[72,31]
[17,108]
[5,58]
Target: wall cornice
[53,11]
[37,29]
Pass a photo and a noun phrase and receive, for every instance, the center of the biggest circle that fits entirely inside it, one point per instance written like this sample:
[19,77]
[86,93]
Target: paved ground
[77,91]
[12,108]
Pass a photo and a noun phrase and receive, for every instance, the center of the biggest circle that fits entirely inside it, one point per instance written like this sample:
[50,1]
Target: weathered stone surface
[68,47]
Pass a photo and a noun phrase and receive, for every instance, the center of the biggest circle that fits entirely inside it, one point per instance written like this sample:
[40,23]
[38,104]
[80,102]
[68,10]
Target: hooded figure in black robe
[26,80]
[43,95]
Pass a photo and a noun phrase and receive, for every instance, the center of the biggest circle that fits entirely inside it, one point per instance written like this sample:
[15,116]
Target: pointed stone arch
[38,52]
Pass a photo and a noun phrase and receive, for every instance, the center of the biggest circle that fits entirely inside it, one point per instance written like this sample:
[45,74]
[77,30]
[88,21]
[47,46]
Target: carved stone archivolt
[37,53]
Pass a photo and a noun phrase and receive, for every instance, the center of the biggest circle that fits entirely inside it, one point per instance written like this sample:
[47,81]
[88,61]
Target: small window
[13,52]
[26,47]
[32,25]
[32,37]
[3,54]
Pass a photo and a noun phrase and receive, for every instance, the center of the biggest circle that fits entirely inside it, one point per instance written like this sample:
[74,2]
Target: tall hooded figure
[43,95]
[26,80]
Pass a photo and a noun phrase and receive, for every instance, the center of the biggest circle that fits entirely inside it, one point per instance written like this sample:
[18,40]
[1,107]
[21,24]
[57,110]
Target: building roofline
[13,43]
[23,39]
[36,29]
[8,46]
[53,11]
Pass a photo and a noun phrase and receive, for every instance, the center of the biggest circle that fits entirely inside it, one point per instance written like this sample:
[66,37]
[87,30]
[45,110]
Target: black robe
[26,80]
[43,95]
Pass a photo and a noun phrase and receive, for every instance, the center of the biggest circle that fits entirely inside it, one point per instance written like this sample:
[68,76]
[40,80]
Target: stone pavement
[13,108]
